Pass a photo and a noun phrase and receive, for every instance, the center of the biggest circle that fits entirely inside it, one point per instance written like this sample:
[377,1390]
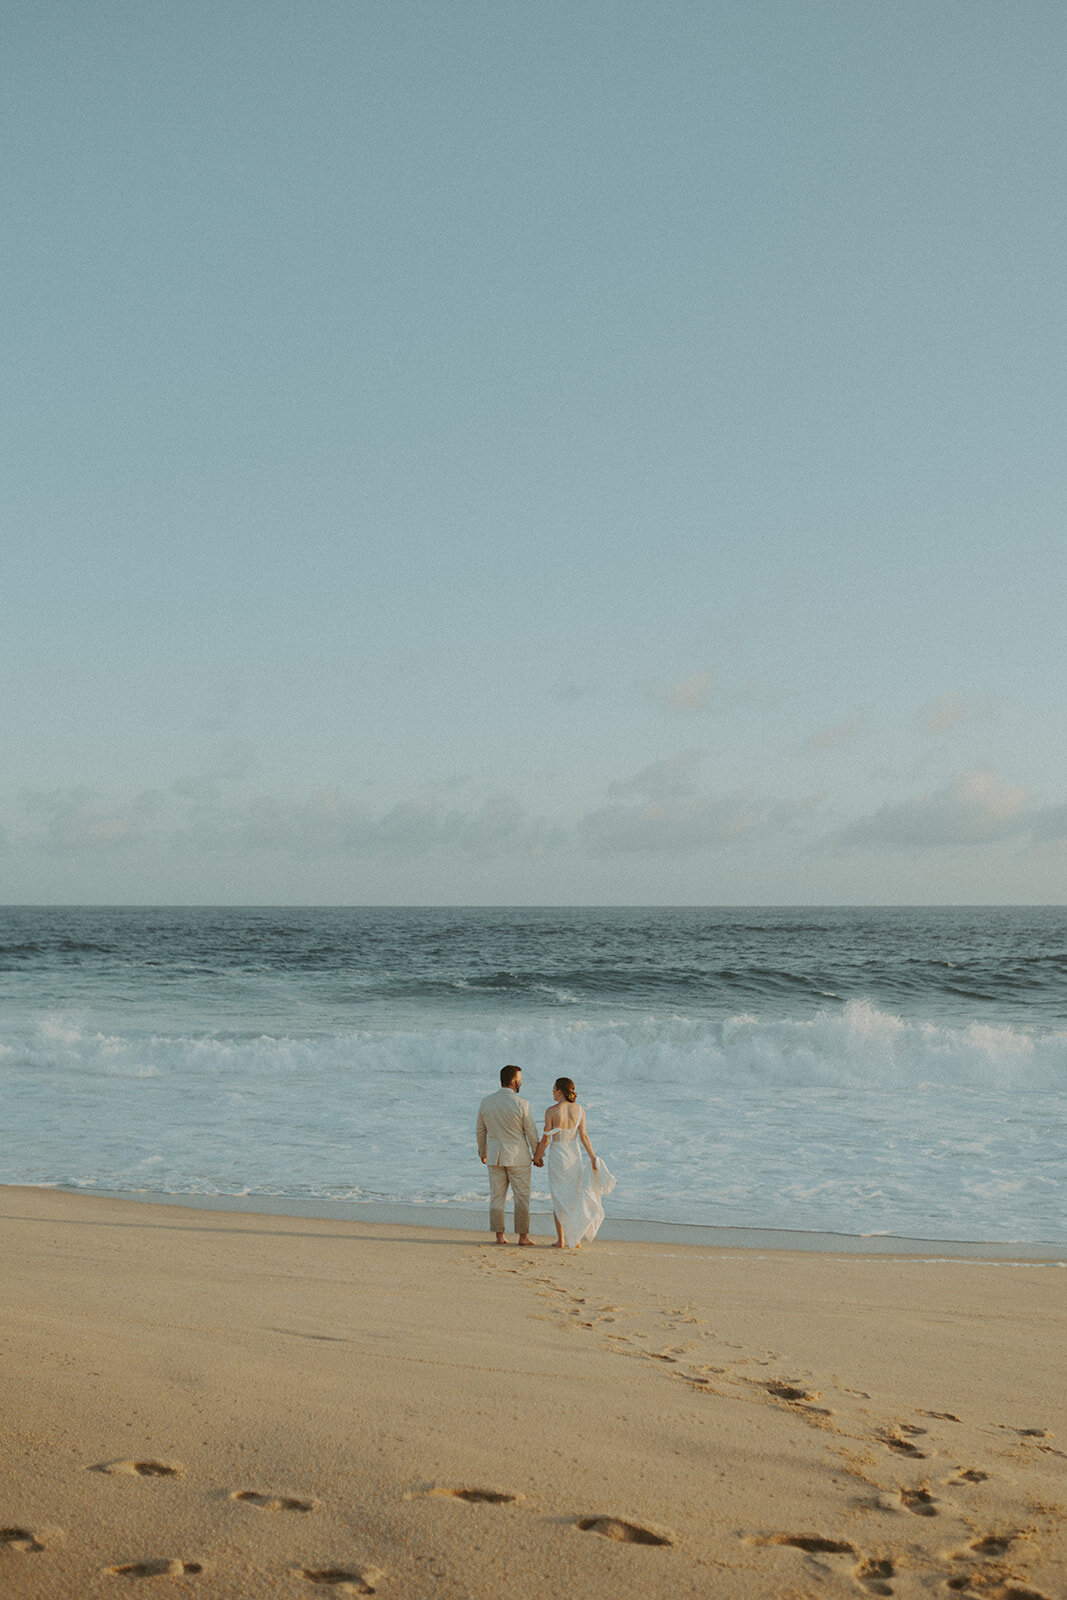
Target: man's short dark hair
[508,1076]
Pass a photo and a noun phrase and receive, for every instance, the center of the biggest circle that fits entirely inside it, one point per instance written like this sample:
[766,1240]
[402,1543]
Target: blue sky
[533,453]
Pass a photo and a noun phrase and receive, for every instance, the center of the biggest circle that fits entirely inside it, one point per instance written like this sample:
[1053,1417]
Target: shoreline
[474,1220]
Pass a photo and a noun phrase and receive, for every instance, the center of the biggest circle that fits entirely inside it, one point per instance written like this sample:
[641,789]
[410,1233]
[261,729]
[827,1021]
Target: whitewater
[895,1071]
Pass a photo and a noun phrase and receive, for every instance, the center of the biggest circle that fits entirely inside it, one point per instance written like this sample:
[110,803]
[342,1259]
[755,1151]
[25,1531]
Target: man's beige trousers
[519,1179]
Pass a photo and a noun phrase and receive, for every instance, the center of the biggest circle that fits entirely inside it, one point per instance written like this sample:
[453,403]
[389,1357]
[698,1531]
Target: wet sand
[231,1406]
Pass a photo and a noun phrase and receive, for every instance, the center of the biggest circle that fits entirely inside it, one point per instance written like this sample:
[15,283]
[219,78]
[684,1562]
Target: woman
[575,1204]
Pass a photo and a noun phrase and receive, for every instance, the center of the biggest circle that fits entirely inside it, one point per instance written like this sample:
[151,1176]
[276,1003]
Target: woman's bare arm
[551,1119]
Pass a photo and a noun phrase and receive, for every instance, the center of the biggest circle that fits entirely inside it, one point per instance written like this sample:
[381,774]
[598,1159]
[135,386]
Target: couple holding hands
[508,1142]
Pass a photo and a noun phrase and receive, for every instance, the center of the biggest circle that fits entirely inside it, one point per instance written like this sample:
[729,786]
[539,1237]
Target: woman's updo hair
[566,1089]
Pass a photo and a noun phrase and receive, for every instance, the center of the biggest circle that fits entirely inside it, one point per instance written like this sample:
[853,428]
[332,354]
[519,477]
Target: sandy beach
[237,1406]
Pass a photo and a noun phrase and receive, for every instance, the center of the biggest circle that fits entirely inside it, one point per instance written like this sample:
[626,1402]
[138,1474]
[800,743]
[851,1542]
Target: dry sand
[222,1406]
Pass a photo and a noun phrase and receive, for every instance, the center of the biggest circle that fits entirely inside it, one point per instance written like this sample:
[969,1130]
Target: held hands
[538,1161]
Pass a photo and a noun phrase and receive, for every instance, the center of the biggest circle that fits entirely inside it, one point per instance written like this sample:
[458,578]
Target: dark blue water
[1005,964]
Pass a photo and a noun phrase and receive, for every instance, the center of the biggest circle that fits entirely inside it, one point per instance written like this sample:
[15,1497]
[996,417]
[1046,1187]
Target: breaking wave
[855,1046]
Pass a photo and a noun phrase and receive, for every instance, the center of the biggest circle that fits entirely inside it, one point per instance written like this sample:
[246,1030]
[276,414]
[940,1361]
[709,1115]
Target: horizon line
[532,905]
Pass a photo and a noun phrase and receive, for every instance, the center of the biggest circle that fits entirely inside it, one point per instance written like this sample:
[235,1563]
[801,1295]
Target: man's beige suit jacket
[507,1133]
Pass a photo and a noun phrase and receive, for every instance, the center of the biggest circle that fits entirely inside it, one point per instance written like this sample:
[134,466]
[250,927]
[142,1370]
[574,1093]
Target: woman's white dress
[575,1188]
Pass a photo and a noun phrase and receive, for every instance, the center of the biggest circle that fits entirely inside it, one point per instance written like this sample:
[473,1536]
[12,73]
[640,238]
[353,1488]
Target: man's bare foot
[524,1238]
[500,1239]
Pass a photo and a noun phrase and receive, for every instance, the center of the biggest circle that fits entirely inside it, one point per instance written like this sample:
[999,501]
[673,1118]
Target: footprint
[919,1500]
[902,1447]
[797,1401]
[272,1502]
[810,1543]
[624,1532]
[141,1469]
[942,1416]
[154,1569]
[969,1475]
[489,1497]
[786,1391]
[1035,1436]
[911,1430]
[346,1580]
[993,1544]
[874,1572]
[23,1539]
[1011,1589]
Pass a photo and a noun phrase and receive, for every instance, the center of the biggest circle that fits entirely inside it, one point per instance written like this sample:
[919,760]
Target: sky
[533,453]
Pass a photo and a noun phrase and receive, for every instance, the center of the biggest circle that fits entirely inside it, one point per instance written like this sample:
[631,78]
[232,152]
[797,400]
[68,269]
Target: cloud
[661,780]
[671,826]
[231,762]
[670,815]
[691,694]
[664,809]
[978,808]
[950,708]
[193,819]
[659,809]
[831,737]
[69,821]
[328,824]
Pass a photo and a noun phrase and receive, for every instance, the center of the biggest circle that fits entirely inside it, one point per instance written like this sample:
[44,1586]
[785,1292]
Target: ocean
[861,1071]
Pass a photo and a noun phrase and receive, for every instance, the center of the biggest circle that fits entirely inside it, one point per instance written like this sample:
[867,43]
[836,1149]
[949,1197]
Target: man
[507,1142]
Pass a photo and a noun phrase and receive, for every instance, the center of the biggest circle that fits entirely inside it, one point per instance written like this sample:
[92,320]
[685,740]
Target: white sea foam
[849,1120]
[856,1047]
